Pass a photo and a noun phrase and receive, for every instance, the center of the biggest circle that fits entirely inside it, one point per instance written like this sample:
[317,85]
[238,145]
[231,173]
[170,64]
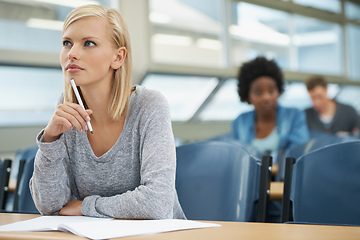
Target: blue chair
[23,201]
[227,137]
[325,186]
[318,141]
[5,168]
[25,153]
[219,181]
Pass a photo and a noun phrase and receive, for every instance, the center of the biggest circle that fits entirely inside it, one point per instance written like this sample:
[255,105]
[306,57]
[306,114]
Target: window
[28,96]
[260,31]
[352,10]
[350,95]
[353,51]
[295,95]
[33,26]
[185,94]
[327,5]
[318,46]
[226,104]
[186,32]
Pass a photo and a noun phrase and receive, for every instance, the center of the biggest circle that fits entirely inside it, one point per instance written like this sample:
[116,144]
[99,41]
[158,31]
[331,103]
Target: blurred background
[190,50]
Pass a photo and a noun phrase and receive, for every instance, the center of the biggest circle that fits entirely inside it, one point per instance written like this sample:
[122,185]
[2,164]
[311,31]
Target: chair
[5,169]
[320,140]
[325,186]
[230,139]
[221,181]
[23,201]
[25,153]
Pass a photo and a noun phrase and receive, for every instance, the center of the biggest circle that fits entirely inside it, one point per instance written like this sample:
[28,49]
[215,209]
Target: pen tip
[91,132]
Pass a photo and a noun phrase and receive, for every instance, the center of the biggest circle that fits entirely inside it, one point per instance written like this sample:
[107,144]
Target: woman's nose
[74,53]
[266,96]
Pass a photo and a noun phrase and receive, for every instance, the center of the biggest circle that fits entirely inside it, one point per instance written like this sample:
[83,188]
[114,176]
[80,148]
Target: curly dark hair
[253,69]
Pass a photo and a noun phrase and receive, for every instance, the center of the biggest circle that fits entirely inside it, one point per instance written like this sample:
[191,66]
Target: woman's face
[263,94]
[88,52]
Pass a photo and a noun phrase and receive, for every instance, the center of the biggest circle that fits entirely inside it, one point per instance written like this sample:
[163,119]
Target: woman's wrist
[47,139]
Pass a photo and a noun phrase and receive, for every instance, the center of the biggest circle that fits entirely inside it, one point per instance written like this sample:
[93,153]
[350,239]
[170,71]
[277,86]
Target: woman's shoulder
[147,99]
[245,116]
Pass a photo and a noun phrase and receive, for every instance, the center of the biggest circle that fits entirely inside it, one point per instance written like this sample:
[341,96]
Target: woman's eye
[89,43]
[66,43]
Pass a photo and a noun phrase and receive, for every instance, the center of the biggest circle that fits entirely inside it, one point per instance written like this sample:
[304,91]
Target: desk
[228,231]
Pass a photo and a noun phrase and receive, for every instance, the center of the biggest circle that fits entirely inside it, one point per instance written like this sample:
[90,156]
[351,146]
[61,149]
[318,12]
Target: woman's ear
[119,58]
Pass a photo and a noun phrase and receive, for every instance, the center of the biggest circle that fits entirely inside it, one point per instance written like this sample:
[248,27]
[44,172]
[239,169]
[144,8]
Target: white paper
[47,223]
[124,228]
[98,228]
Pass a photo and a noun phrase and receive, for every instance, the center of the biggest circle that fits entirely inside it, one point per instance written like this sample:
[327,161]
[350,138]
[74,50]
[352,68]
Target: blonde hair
[121,83]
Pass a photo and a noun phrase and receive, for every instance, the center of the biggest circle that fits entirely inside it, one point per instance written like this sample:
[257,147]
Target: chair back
[320,140]
[23,201]
[217,181]
[326,185]
[247,147]
[5,169]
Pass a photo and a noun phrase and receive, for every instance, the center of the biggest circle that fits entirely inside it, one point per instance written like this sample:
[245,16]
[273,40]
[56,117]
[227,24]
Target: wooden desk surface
[228,231]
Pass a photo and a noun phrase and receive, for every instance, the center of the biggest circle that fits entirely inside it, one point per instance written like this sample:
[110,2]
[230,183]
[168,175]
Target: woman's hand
[72,208]
[66,116]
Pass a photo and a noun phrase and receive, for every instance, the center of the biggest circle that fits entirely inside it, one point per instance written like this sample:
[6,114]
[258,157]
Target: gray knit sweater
[135,179]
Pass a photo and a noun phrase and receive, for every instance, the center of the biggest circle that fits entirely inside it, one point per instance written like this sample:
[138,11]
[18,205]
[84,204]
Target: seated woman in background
[270,127]
[126,168]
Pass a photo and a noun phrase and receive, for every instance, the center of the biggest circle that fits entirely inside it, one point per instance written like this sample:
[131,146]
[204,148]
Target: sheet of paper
[102,228]
[47,223]
[124,228]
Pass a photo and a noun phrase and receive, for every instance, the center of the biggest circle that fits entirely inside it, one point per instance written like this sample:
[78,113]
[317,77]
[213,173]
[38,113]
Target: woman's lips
[73,68]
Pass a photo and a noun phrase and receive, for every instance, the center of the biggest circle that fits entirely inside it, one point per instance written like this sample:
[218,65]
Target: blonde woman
[126,168]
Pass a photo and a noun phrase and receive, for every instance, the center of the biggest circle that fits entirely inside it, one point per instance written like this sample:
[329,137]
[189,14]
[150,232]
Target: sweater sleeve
[154,197]
[49,184]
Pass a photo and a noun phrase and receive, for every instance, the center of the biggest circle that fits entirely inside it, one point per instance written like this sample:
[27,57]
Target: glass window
[352,10]
[185,94]
[327,5]
[350,95]
[295,95]
[186,32]
[260,31]
[226,104]
[353,51]
[28,96]
[318,45]
[35,25]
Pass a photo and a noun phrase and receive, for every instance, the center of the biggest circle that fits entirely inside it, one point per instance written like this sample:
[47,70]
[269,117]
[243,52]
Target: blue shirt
[269,143]
[290,124]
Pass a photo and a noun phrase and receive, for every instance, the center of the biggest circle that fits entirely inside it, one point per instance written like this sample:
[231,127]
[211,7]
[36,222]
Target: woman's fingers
[74,114]
[66,116]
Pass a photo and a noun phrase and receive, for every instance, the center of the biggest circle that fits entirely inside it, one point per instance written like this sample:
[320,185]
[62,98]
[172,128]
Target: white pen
[80,102]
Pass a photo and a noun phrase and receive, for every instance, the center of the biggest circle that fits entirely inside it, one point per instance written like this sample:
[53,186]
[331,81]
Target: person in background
[327,115]
[126,168]
[269,127]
